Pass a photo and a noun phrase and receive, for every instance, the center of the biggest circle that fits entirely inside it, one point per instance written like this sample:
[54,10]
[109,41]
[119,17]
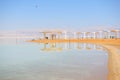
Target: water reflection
[25,61]
[69,46]
[55,46]
[51,47]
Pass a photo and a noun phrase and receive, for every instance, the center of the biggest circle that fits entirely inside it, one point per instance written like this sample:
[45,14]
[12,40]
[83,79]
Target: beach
[113,62]
[113,48]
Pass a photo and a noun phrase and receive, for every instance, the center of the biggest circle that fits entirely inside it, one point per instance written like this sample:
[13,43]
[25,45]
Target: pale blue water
[21,60]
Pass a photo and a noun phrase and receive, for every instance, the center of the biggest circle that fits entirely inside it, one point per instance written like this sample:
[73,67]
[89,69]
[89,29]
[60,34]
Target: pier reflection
[69,46]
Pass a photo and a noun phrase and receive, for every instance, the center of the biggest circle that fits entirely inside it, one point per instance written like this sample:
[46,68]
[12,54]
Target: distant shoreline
[97,41]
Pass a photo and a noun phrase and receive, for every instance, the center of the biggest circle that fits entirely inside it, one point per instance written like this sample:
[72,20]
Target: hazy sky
[59,14]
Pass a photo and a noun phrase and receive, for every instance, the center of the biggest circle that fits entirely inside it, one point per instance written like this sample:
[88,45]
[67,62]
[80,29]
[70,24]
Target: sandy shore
[104,41]
[113,47]
[113,62]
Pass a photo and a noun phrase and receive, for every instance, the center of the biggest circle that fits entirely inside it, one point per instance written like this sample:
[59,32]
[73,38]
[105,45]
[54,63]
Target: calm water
[21,60]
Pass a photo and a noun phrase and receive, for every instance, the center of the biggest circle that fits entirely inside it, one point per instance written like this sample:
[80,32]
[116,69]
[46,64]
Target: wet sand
[113,47]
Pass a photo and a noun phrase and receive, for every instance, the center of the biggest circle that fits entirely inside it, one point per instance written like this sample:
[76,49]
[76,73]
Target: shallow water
[20,60]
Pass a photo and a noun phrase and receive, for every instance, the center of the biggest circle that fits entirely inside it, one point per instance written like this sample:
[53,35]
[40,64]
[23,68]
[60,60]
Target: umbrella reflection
[70,46]
[51,47]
